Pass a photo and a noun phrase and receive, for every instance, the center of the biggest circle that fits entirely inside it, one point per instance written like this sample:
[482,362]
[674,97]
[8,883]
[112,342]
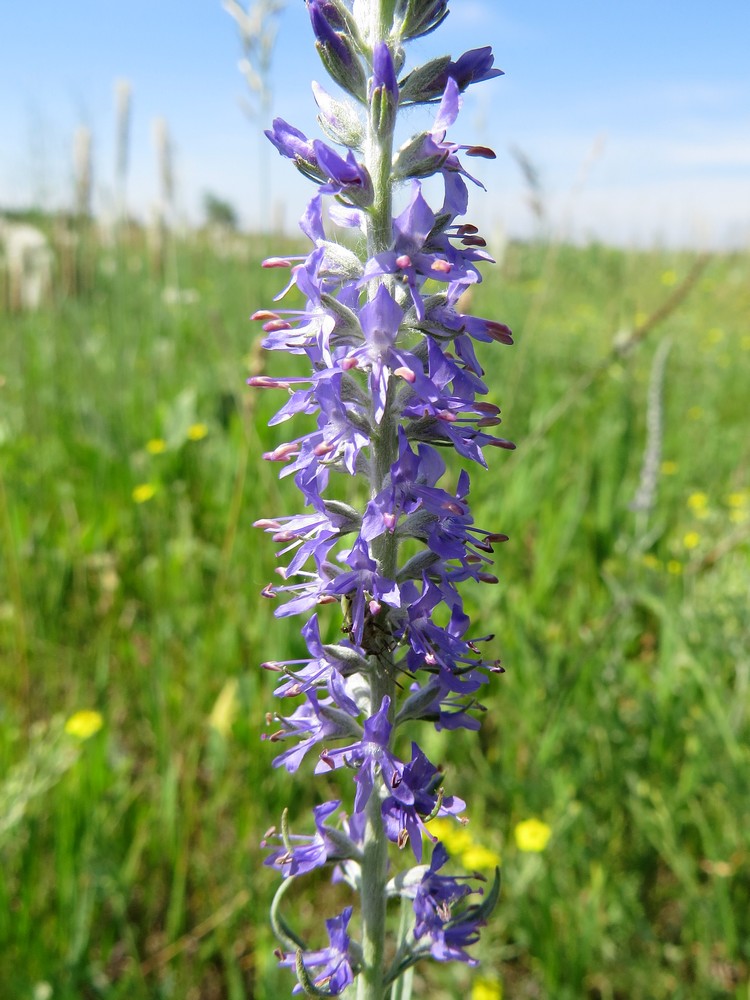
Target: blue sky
[637,115]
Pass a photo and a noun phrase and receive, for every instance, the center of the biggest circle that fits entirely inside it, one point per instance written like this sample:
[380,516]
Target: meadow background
[130,475]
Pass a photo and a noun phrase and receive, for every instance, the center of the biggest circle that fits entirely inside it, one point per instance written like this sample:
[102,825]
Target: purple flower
[413,259]
[380,320]
[345,176]
[334,963]
[383,70]
[365,585]
[431,152]
[370,757]
[326,667]
[295,145]
[305,853]
[473,67]
[419,798]
[448,935]
[337,51]
[319,722]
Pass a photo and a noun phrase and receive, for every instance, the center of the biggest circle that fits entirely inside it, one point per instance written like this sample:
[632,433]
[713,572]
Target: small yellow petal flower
[532,835]
[196,432]
[650,561]
[477,858]
[715,335]
[669,278]
[738,499]
[695,413]
[668,468]
[691,540]
[84,724]
[674,566]
[156,446]
[697,501]
[440,827]
[738,516]
[144,492]
[456,838]
[225,708]
[486,989]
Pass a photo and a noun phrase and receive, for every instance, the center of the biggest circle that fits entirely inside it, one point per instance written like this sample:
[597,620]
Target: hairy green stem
[384,449]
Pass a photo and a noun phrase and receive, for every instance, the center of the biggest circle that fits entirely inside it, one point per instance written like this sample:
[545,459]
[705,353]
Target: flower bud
[420,84]
[337,51]
[419,17]
[338,119]
[427,83]
[419,156]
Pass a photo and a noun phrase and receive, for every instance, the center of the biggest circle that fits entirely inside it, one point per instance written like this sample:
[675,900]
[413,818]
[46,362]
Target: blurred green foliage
[130,475]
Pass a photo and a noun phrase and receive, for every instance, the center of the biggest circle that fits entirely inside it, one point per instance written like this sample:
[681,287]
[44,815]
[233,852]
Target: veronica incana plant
[391,381]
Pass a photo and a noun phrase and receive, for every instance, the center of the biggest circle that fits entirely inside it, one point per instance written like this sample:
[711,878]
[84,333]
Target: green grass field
[130,475]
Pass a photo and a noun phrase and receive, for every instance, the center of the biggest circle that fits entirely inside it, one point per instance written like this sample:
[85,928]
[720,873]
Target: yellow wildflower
[738,516]
[715,335]
[668,468]
[477,858]
[532,835]
[84,724]
[738,499]
[691,540]
[650,561]
[196,432]
[456,838]
[674,566]
[486,989]
[156,446]
[225,708]
[144,492]
[669,278]
[695,413]
[698,504]
[459,843]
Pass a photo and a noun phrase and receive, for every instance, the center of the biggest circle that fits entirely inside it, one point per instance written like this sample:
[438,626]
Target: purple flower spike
[385,379]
